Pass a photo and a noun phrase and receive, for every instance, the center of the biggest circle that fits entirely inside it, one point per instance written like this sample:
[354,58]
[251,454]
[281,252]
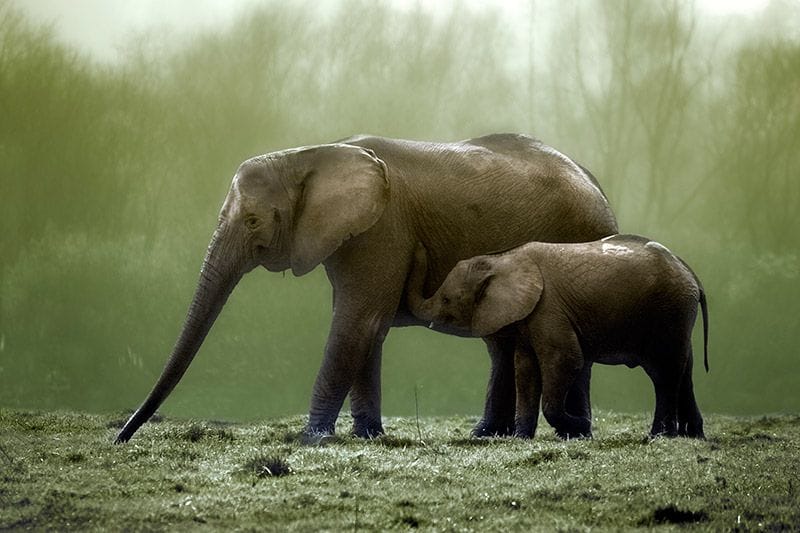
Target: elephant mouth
[274,264]
[259,251]
[450,329]
[441,327]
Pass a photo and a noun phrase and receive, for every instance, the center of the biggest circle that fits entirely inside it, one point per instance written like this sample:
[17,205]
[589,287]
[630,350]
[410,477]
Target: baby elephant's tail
[704,310]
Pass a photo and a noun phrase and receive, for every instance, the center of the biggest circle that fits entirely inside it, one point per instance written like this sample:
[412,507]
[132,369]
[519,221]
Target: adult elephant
[359,207]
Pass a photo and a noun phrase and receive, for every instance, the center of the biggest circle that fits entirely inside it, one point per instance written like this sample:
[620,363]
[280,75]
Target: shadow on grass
[745,437]
[540,457]
[672,515]
[389,441]
[473,442]
[303,439]
[621,440]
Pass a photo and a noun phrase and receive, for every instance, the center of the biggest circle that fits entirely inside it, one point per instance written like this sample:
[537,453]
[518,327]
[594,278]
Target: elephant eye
[251,222]
[445,300]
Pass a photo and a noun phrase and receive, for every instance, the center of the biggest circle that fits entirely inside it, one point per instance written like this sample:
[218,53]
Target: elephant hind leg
[690,421]
[561,362]
[578,402]
[665,418]
[665,371]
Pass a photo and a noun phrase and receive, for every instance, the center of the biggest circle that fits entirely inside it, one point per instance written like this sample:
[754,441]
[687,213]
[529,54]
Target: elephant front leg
[529,389]
[499,410]
[347,357]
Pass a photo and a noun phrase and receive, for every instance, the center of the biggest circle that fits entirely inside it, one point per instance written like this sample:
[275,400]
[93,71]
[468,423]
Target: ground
[61,471]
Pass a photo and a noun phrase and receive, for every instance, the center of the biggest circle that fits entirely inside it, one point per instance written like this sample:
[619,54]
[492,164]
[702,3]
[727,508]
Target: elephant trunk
[417,304]
[218,276]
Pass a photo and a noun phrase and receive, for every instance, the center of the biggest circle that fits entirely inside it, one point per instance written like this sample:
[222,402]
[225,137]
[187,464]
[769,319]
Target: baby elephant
[621,300]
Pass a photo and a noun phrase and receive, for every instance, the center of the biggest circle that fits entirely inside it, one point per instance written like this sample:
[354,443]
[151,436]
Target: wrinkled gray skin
[359,207]
[621,300]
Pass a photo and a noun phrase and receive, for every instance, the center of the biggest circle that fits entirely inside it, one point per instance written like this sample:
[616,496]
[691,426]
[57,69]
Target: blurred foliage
[111,177]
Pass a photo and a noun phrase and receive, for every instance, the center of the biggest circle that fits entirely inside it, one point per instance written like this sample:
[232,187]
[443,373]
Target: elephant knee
[567,426]
[553,414]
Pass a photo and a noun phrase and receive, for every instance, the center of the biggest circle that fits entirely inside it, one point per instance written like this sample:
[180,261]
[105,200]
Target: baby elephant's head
[453,305]
[480,295]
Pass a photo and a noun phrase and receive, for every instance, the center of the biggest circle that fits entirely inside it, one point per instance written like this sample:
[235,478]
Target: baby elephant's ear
[509,293]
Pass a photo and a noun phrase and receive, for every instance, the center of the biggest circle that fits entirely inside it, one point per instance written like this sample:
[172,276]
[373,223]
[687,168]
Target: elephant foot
[691,430]
[525,429]
[317,432]
[488,428]
[367,429]
[664,428]
[313,437]
[574,434]
[574,428]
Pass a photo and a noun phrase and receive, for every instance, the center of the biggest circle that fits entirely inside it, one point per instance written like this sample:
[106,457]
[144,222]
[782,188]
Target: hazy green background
[113,171]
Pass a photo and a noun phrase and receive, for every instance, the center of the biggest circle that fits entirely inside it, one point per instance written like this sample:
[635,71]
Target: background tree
[111,177]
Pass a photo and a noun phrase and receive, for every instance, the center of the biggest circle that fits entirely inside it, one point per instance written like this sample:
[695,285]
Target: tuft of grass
[197,432]
[75,457]
[267,466]
[541,456]
[194,433]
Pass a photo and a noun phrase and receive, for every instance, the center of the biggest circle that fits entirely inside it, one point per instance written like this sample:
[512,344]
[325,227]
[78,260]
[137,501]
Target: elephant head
[289,209]
[480,295]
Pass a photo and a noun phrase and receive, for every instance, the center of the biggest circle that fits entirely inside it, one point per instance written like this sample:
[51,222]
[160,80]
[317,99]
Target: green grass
[61,471]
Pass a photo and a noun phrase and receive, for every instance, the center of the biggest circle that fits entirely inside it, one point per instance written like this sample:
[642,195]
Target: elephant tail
[704,311]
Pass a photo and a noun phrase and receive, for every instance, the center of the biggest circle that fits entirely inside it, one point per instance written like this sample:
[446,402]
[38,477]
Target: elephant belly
[631,360]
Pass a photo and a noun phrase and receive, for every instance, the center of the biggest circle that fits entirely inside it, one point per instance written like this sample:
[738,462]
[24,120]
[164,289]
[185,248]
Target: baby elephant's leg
[578,401]
[529,389]
[690,422]
[665,370]
[498,412]
[665,419]
[560,361]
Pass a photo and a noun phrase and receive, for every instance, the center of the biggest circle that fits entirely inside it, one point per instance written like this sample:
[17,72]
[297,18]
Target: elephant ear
[508,293]
[342,193]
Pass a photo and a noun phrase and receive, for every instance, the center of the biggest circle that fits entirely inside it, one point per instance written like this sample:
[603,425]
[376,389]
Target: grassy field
[60,471]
